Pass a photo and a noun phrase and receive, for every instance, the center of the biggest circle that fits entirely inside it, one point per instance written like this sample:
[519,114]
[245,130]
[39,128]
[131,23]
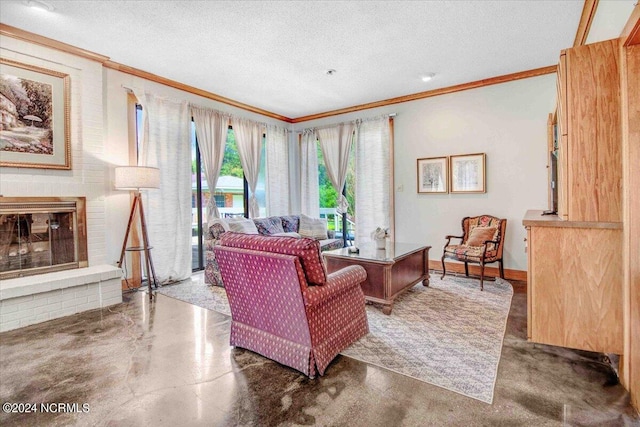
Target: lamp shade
[137,177]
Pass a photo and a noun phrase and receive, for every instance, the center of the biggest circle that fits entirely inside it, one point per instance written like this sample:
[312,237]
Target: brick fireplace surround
[39,237]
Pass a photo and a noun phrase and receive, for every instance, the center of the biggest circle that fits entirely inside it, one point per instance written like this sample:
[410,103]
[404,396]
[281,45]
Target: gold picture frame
[433,175]
[467,173]
[35,105]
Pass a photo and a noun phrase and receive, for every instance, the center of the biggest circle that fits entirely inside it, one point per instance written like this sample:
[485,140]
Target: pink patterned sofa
[283,304]
[264,226]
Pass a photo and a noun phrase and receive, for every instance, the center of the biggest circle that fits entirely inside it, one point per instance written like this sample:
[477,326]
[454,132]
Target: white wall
[508,122]
[87,176]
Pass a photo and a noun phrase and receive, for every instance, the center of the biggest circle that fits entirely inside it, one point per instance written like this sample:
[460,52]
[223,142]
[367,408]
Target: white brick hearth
[33,299]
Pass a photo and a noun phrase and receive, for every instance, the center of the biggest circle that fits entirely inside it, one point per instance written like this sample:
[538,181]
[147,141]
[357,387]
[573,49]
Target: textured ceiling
[274,54]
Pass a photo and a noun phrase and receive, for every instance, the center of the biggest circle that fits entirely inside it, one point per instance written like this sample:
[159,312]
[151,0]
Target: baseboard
[474,269]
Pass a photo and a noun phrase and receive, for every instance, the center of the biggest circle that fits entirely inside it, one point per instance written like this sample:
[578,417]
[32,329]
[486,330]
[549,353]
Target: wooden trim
[428,94]
[392,194]
[17,33]
[631,32]
[474,270]
[200,92]
[588,12]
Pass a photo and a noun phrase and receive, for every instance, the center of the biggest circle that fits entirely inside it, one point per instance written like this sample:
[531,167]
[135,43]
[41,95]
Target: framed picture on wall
[468,173]
[433,175]
[34,132]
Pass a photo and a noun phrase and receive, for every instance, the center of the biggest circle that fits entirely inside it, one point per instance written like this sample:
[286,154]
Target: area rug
[449,334]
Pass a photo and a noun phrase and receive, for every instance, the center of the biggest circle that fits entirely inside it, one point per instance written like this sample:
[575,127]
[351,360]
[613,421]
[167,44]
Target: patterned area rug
[449,334]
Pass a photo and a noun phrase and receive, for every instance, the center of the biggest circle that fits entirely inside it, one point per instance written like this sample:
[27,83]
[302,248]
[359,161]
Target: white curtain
[166,145]
[336,145]
[372,177]
[309,189]
[249,141]
[277,151]
[211,130]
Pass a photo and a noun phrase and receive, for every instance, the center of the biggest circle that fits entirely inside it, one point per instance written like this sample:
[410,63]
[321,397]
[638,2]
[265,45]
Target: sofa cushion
[242,225]
[290,234]
[314,228]
[269,226]
[307,250]
[290,223]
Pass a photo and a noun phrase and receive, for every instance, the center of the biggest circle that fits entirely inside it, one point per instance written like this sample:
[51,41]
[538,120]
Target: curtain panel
[309,191]
[277,152]
[211,132]
[166,144]
[335,143]
[249,140]
[372,177]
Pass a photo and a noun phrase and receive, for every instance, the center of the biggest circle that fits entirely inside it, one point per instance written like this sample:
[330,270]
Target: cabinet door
[563,178]
[561,86]
[576,288]
[563,159]
[594,131]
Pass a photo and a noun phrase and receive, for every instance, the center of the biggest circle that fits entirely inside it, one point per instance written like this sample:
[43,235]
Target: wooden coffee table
[390,271]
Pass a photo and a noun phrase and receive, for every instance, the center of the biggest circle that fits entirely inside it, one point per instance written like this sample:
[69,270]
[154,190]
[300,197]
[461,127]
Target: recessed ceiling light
[427,77]
[331,72]
[40,5]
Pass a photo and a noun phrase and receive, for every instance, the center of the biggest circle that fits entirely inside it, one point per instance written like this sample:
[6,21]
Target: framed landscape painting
[432,175]
[468,173]
[34,111]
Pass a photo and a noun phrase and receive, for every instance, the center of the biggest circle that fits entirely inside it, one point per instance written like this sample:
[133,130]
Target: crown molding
[9,31]
[194,90]
[17,33]
[435,92]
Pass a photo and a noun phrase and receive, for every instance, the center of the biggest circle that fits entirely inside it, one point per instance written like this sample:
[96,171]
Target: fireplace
[41,235]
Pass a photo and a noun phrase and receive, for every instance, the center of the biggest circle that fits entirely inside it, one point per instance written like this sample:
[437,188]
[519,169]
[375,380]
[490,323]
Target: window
[231,194]
[220,200]
[329,199]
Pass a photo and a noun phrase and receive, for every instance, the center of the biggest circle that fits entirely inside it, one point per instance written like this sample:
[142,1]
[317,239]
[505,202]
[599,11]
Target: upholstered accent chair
[481,243]
[284,305]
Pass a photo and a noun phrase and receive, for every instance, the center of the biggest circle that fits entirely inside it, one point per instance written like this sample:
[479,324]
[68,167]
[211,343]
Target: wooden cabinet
[575,274]
[588,115]
[575,283]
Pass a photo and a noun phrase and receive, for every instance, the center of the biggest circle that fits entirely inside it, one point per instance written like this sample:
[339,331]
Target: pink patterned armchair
[283,304]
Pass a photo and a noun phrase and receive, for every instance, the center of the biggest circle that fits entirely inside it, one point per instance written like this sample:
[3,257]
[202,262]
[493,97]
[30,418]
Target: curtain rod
[226,114]
[390,115]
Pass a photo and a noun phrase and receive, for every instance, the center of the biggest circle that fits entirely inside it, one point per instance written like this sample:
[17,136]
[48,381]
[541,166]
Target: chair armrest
[449,237]
[453,237]
[337,282]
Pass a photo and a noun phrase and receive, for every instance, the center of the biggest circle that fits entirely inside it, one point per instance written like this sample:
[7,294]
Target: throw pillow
[269,226]
[479,235]
[242,225]
[314,228]
[217,226]
[290,223]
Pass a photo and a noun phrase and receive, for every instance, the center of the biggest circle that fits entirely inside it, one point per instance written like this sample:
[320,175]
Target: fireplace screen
[39,235]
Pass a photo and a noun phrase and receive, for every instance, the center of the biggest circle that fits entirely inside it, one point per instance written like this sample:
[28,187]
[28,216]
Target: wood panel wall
[631,156]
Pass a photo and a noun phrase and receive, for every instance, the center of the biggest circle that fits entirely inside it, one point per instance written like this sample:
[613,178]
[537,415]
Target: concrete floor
[169,364]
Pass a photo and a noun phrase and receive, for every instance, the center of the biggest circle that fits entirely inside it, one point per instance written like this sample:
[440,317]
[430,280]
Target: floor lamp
[136,178]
